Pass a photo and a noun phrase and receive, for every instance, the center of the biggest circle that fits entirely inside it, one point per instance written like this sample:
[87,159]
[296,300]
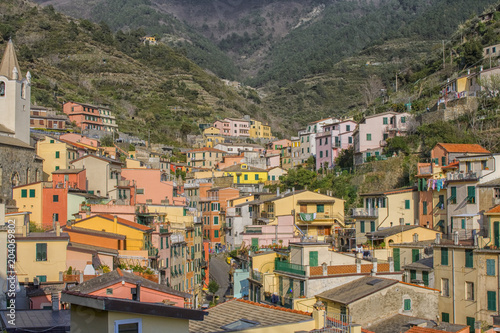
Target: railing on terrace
[361,212]
[462,176]
[253,230]
[289,268]
[256,275]
[267,215]
[338,323]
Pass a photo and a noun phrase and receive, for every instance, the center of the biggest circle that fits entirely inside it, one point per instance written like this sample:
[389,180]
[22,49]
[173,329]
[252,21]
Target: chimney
[58,229]
[438,239]
[54,299]
[115,224]
[358,266]
[455,238]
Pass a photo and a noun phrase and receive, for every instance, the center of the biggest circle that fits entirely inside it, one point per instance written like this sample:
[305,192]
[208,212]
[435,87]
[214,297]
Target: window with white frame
[128,326]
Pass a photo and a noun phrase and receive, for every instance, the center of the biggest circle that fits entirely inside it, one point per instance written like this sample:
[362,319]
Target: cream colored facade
[29,199]
[104,174]
[384,210]
[326,213]
[468,294]
[31,264]
[56,155]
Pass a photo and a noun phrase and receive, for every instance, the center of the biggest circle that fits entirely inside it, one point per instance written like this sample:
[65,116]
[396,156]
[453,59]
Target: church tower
[15,94]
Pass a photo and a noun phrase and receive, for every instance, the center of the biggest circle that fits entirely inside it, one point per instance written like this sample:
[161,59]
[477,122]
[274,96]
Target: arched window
[15,179]
[2,88]
[28,175]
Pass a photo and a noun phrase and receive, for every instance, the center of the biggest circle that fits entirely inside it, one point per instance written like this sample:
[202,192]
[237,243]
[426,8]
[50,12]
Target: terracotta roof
[261,315]
[463,148]
[453,165]
[105,159]
[67,171]
[494,210]
[205,149]
[238,168]
[417,329]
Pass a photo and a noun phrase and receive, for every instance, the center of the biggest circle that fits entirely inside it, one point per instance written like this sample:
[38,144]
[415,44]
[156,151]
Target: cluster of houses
[113,235]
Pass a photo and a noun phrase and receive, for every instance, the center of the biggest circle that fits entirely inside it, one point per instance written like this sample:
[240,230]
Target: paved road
[219,271]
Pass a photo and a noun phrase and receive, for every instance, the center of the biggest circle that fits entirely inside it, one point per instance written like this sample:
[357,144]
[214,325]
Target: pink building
[77,138]
[126,212]
[152,188]
[331,141]
[266,235]
[371,134]
[233,127]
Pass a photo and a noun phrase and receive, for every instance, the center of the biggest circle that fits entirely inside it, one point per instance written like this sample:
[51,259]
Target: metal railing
[338,323]
[360,212]
[287,267]
[256,275]
[462,176]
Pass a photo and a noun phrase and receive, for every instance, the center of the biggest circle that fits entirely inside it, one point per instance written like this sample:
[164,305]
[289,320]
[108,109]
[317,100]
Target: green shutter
[471,194]
[453,197]
[492,300]
[415,255]
[313,258]
[256,177]
[425,278]
[413,275]
[469,258]
[443,160]
[57,154]
[372,226]
[384,121]
[362,226]
[397,264]
[407,304]
[496,233]
[24,193]
[32,193]
[471,321]
[255,243]
[463,223]
[320,208]
[407,204]
[490,267]
[445,317]
[444,256]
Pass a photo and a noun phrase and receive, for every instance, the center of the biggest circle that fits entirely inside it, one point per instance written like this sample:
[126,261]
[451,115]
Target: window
[55,198]
[413,275]
[57,154]
[368,137]
[109,291]
[362,226]
[445,287]
[56,217]
[492,300]
[320,154]
[407,304]
[320,208]
[403,120]
[385,121]
[490,267]
[41,278]
[372,226]
[24,193]
[415,255]
[471,194]
[469,291]
[425,278]
[32,193]
[216,220]
[407,204]
[424,207]
[2,88]
[128,325]
[463,224]
[216,233]
[350,139]
[453,197]
[445,317]
[469,258]
[497,192]
[441,202]
[57,167]
[41,252]
[443,160]
[256,177]
[444,256]
[348,128]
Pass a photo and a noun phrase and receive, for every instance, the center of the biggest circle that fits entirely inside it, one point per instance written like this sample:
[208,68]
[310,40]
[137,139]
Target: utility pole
[443,56]
[396,81]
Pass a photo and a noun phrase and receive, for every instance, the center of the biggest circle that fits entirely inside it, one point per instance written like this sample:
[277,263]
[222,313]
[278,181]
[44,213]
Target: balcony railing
[462,175]
[364,212]
[267,215]
[256,276]
[287,267]
[253,230]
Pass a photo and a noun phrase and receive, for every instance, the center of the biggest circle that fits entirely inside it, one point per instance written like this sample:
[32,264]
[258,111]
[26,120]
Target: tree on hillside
[213,287]
[371,89]
[472,53]
[107,141]
[345,160]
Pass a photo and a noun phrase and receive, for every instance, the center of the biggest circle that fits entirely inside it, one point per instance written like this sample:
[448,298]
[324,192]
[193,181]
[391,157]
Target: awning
[465,215]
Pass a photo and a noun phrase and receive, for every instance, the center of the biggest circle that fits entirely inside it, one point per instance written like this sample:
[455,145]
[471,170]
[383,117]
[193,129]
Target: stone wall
[18,166]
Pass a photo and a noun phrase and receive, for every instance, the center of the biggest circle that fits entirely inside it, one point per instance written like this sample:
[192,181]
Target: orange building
[230,160]
[70,178]
[213,209]
[87,116]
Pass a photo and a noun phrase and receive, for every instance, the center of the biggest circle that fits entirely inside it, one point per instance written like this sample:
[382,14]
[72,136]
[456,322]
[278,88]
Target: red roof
[463,148]
[453,165]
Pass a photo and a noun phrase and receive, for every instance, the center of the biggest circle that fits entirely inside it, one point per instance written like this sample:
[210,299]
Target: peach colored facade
[233,127]
[78,258]
[266,235]
[126,212]
[230,160]
[150,186]
[147,295]
[77,138]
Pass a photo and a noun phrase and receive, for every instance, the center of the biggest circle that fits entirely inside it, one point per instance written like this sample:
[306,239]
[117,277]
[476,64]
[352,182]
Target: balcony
[365,212]
[256,276]
[253,230]
[177,238]
[267,215]
[463,175]
[287,267]
[152,252]
[424,169]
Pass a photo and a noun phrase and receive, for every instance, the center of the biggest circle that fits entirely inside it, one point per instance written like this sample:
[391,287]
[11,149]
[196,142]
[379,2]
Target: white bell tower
[15,94]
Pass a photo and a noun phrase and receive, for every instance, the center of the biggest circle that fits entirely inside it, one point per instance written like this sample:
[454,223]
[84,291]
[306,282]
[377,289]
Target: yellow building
[56,155]
[259,130]
[134,164]
[316,214]
[41,255]
[245,174]
[204,157]
[138,235]
[29,198]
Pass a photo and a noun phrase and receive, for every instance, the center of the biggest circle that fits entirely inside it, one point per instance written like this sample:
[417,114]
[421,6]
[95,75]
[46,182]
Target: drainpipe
[453,281]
